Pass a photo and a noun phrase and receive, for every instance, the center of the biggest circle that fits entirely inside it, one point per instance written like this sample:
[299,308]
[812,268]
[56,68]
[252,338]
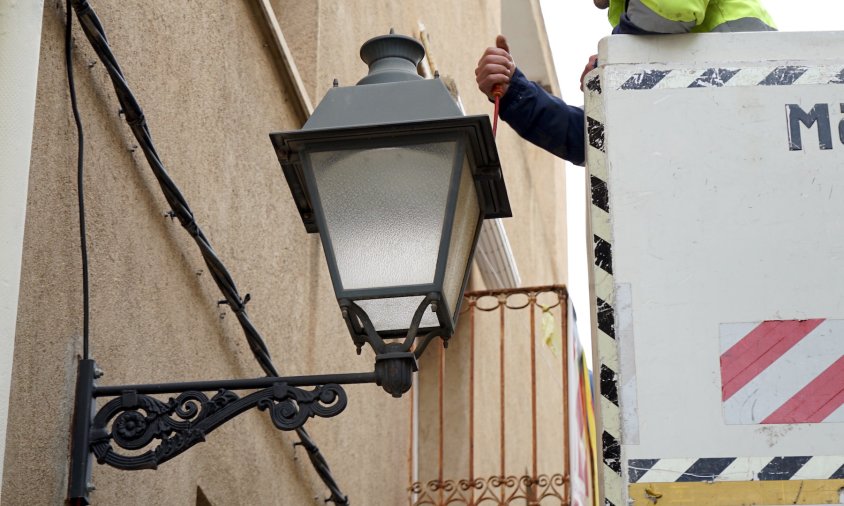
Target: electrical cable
[133,114]
[80,183]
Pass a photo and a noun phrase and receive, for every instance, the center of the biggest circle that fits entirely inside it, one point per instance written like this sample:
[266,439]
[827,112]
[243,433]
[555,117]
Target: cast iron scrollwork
[133,421]
[291,407]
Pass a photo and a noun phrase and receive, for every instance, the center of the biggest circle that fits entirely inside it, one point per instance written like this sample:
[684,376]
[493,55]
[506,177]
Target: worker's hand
[592,65]
[495,67]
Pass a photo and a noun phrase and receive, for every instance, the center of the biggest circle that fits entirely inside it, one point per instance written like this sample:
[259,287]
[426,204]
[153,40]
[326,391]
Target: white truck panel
[717,166]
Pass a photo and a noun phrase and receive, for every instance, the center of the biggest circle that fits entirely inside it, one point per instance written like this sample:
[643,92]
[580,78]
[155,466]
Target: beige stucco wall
[211,89]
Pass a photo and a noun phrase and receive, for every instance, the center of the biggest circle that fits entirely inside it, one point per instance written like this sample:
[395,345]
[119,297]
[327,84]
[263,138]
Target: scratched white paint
[716,221]
[667,470]
[838,415]
[821,466]
[627,363]
[744,469]
[731,333]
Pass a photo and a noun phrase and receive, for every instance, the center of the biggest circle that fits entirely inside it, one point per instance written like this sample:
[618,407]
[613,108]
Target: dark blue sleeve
[544,119]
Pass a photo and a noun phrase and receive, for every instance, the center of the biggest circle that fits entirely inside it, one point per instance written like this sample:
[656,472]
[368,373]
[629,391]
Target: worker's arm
[661,16]
[544,119]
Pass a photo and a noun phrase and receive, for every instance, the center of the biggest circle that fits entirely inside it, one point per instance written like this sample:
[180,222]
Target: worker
[548,121]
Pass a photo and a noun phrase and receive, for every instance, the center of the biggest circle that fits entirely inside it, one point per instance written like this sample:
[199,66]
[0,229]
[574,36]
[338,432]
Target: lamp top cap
[391,58]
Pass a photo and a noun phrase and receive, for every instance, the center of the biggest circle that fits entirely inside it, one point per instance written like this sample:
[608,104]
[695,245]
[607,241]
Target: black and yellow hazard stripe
[784,75]
[610,437]
[800,467]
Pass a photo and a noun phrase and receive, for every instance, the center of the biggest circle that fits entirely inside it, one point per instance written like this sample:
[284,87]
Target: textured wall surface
[210,84]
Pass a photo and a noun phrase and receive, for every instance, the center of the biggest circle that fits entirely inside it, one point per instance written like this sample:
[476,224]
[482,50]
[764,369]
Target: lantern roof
[393,101]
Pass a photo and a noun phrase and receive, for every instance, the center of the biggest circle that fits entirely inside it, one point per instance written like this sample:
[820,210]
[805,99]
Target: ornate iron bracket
[133,419]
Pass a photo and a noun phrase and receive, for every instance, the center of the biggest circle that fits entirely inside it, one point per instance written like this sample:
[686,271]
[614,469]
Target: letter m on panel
[796,116]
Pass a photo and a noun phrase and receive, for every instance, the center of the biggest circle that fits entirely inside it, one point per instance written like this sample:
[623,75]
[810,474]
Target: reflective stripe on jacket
[681,16]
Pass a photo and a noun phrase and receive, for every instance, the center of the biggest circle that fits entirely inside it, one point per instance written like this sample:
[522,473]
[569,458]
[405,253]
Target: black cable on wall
[80,184]
[134,116]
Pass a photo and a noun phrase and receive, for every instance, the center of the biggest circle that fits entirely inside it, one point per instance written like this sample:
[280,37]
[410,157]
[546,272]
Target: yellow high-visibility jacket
[681,16]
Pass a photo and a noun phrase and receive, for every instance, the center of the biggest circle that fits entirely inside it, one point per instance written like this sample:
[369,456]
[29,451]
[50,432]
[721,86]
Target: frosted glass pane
[396,313]
[462,238]
[384,211]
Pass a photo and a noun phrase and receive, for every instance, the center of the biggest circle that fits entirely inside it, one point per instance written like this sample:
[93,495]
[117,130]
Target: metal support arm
[133,419]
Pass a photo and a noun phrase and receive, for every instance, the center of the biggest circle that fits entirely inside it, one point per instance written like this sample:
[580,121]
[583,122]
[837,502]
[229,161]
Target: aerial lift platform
[716,168]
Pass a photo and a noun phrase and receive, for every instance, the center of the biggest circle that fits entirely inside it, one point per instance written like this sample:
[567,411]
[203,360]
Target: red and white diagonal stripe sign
[783,371]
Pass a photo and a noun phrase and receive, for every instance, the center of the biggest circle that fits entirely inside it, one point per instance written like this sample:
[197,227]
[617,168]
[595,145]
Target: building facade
[214,79]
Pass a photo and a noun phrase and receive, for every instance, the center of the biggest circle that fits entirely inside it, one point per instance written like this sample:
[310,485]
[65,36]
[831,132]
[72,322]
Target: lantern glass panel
[467,218]
[384,211]
[396,313]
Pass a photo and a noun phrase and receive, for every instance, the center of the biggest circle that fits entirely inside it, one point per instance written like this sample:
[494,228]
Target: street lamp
[396,181]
